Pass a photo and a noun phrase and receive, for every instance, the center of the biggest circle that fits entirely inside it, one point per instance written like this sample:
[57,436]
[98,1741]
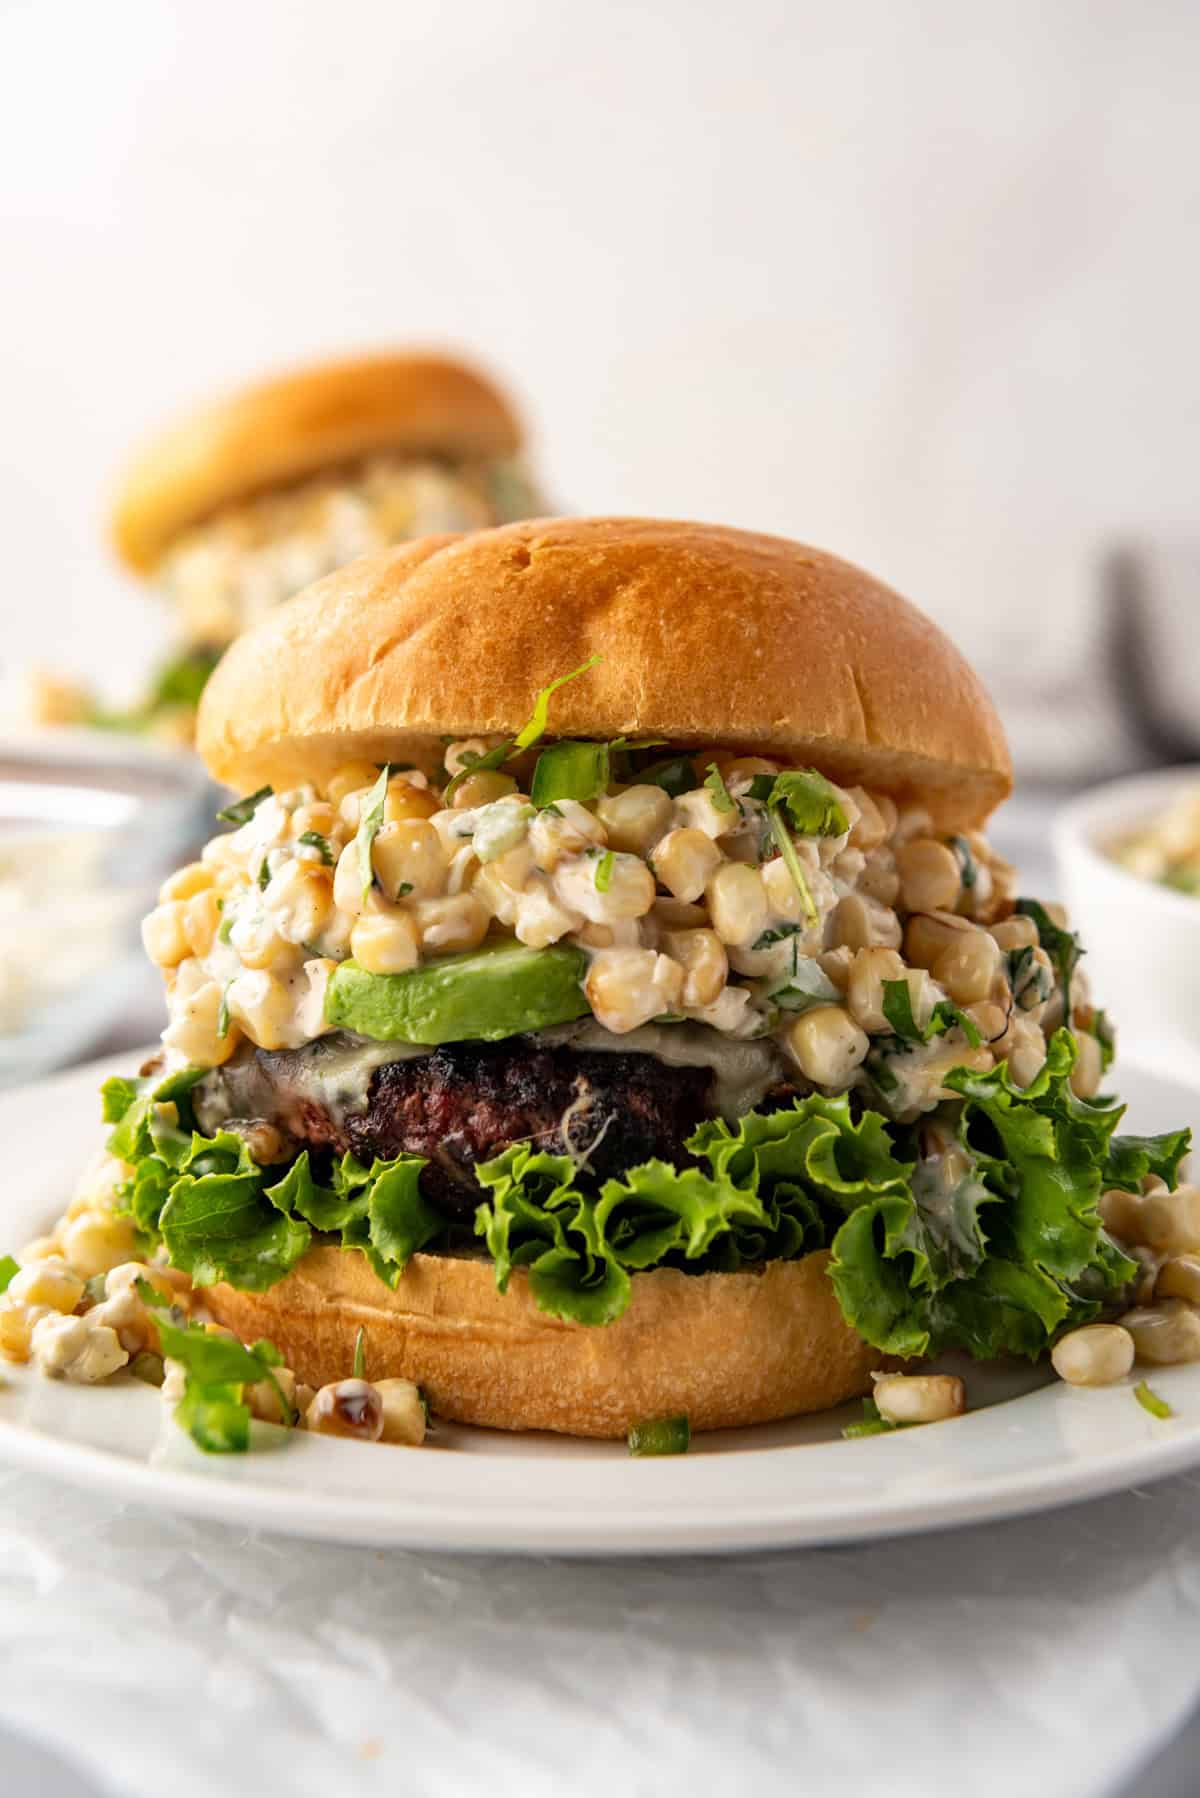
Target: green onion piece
[722,798]
[604,871]
[570,771]
[148,1367]
[8,1270]
[660,1436]
[360,1354]
[312,839]
[223,1013]
[226,930]
[1150,1401]
[787,849]
[95,1290]
[240,811]
[369,821]
[264,874]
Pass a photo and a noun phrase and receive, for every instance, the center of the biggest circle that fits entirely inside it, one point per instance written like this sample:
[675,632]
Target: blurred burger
[606,1006]
[243,503]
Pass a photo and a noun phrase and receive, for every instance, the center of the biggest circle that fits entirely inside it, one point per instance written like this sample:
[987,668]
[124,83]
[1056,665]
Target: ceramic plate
[1027,1444]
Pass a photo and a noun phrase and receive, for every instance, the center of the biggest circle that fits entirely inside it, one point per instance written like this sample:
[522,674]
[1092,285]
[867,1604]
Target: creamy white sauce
[743,1072]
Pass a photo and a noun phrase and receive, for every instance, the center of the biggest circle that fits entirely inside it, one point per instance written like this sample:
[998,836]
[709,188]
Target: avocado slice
[483,995]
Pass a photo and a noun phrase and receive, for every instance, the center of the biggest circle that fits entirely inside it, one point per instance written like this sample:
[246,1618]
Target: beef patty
[466,1102]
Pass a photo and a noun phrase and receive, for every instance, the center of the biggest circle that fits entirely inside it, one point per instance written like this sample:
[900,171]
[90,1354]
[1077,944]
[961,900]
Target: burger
[606,1007]
[243,503]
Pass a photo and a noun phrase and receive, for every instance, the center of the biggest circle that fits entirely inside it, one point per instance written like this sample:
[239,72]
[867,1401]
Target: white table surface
[140,1653]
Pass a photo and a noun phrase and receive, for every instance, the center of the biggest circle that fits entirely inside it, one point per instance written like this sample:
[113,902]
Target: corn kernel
[483,788]
[452,924]
[408,858]
[186,882]
[51,1283]
[403,1412]
[319,816]
[97,1241]
[263,1006]
[628,987]
[701,955]
[699,811]
[684,861]
[195,1020]
[163,934]
[827,1044]
[202,915]
[636,818]
[628,892]
[385,943]
[403,801]
[348,779]
[737,904]
[16,1329]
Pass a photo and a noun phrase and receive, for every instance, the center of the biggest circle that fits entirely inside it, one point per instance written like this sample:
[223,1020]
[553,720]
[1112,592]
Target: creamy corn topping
[1168,849]
[702,907]
[227,572]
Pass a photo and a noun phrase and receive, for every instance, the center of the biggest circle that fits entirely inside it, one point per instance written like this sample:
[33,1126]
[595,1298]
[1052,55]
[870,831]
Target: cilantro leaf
[240,811]
[897,1009]
[721,797]
[370,818]
[312,839]
[530,732]
[1062,946]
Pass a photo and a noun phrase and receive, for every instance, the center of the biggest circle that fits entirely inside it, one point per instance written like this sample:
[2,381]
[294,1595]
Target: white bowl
[1142,939]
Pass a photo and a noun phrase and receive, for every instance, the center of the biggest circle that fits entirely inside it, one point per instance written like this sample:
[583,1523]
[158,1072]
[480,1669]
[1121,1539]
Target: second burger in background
[243,503]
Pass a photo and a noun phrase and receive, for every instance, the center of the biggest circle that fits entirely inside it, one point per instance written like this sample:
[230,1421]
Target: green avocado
[483,995]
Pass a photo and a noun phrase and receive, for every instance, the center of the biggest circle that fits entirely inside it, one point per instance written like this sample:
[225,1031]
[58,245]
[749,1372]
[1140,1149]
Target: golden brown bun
[722,1349]
[708,636]
[298,424]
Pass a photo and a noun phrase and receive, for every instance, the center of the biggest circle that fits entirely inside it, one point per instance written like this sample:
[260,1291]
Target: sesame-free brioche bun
[707,636]
[722,1349]
[285,429]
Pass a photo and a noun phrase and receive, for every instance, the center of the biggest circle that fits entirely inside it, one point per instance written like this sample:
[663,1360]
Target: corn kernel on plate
[1026,1443]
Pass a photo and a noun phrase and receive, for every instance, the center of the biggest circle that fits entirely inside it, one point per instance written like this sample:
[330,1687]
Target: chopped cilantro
[604,871]
[240,811]
[370,818]
[722,798]
[312,839]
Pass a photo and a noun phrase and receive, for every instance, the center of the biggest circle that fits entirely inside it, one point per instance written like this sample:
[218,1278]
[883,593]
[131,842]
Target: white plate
[1029,1444]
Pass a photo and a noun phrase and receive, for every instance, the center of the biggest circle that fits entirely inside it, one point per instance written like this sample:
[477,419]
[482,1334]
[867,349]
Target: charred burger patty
[465,1102]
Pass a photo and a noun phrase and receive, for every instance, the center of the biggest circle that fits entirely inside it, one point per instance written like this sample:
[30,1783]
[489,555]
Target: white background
[918,282]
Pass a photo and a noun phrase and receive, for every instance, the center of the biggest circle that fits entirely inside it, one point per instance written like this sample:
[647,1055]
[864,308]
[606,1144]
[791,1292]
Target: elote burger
[606,1005]
[244,502]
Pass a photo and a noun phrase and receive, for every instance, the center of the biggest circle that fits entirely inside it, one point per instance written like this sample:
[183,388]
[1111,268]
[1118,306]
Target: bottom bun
[722,1349]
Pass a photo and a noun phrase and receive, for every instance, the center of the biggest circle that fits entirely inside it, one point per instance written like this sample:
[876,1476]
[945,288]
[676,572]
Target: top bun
[285,429]
[707,636]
